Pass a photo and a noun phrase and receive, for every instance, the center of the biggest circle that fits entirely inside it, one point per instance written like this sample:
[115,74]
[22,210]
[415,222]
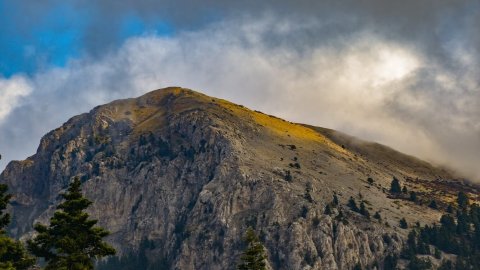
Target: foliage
[335,200]
[419,264]
[71,241]
[288,176]
[446,265]
[390,262]
[304,212]
[462,200]
[433,204]
[395,187]
[413,196]
[403,223]
[370,180]
[254,257]
[352,205]
[363,210]
[12,253]
[328,210]
[459,236]
[357,266]
[136,259]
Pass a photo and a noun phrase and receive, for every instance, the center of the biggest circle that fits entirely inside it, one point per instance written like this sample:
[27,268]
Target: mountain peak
[188,173]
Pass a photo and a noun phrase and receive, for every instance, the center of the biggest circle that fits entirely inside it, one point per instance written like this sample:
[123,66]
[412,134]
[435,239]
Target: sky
[402,73]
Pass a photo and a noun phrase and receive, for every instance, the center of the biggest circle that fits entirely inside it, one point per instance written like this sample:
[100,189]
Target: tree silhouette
[395,186]
[353,205]
[253,257]
[462,200]
[403,223]
[71,241]
[363,210]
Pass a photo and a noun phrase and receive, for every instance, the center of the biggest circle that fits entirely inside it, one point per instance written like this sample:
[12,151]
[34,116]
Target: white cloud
[363,84]
[11,92]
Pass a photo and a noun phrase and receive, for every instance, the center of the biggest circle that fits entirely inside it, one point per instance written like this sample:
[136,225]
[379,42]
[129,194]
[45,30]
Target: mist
[363,82]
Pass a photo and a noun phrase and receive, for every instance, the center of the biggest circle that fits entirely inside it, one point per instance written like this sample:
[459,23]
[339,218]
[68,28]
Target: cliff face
[188,174]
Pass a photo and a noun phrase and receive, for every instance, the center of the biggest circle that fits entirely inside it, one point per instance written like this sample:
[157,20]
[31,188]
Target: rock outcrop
[188,173]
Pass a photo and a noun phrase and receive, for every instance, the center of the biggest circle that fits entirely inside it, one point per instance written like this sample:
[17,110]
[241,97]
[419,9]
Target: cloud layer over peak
[343,72]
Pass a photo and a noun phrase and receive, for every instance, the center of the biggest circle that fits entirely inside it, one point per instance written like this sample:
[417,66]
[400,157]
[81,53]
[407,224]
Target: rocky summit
[177,177]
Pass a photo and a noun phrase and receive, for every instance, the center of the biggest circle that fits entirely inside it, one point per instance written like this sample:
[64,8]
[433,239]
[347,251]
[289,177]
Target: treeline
[457,232]
[70,242]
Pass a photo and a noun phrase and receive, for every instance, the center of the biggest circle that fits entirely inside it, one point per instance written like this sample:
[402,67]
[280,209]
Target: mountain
[178,176]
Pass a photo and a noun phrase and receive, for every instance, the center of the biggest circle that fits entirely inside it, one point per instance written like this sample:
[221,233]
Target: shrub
[304,212]
[420,264]
[370,180]
[288,176]
[328,210]
[316,221]
[363,210]
[352,204]
[335,200]
[462,200]
[395,186]
[390,262]
[433,204]
[413,196]
[403,223]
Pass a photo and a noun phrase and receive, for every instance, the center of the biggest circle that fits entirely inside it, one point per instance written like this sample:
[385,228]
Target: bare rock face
[187,174]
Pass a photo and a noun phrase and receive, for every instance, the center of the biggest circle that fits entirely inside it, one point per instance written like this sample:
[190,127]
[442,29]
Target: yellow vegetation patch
[281,127]
[151,123]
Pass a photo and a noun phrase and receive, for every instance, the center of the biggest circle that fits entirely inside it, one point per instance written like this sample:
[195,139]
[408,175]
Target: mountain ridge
[190,172]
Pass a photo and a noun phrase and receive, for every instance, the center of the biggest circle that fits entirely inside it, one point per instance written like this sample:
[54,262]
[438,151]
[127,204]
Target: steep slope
[187,174]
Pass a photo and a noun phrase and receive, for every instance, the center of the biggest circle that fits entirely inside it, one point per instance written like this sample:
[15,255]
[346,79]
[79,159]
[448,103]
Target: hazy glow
[394,64]
[364,85]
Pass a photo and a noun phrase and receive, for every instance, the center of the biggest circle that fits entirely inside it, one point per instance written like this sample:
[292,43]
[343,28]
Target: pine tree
[420,264]
[12,253]
[462,200]
[71,241]
[403,223]
[363,210]
[433,204]
[353,205]
[410,248]
[328,210]
[253,257]
[413,196]
[390,262]
[395,186]
[357,266]
[446,265]
[335,200]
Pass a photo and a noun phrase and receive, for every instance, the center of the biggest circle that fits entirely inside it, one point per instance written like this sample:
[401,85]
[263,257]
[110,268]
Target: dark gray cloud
[401,73]
[429,24]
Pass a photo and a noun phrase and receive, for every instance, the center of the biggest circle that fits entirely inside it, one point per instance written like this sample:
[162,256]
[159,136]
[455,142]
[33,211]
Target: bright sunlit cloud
[11,92]
[365,85]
